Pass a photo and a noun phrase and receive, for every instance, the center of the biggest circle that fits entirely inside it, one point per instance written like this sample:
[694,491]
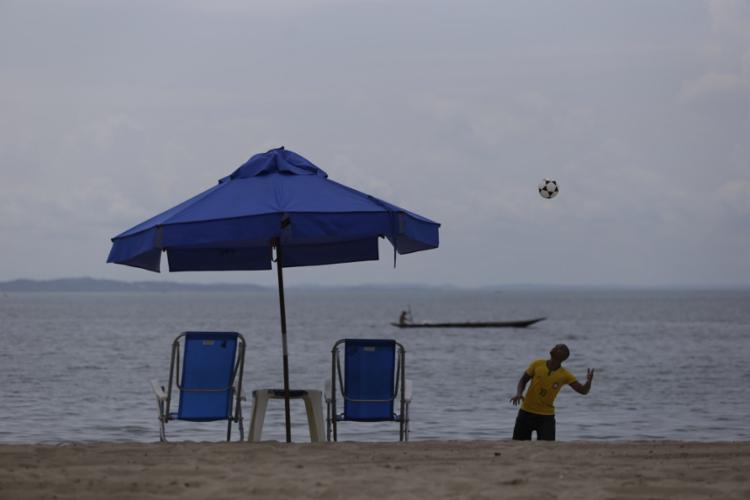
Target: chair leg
[240,424]
[162,430]
[406,422]
[230,417]
[328,421]
[402,416]
[334,424]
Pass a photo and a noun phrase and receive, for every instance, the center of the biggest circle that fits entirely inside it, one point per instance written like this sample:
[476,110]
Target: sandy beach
[432,469]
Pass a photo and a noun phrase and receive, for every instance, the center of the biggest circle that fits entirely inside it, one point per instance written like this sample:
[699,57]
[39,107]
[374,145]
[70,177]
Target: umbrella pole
[282,310]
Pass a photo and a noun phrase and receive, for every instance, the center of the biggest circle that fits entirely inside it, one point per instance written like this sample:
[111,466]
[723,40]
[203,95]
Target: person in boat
[547,376]
[403,318]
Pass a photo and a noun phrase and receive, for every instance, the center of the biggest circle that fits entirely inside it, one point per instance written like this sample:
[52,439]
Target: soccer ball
[548,188]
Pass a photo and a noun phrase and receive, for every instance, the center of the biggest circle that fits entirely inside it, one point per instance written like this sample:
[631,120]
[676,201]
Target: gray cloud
[116,111]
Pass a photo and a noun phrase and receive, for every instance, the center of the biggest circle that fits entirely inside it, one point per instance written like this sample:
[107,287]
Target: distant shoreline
[102,285]
[93,285]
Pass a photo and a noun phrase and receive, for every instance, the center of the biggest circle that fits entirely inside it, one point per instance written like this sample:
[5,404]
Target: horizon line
[447,286]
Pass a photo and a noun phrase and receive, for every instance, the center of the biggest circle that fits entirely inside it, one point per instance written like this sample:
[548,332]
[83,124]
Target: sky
[113,111]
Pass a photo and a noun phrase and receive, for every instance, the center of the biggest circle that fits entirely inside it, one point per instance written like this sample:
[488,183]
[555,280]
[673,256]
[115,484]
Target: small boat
[471,324]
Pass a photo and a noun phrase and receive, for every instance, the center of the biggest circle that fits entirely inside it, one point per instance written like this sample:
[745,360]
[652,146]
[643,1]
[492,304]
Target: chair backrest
[369,389]
[208,371]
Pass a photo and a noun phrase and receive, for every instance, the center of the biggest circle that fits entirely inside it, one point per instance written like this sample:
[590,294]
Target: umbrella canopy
[275,196]
[280,200]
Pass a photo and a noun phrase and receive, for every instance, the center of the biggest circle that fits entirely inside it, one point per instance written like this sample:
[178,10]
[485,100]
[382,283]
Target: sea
[669,364]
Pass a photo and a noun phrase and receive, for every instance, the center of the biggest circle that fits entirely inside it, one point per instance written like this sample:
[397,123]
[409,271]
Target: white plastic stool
[313,406]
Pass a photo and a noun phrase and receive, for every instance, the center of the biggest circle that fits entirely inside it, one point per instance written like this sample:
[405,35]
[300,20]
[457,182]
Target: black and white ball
[548,188]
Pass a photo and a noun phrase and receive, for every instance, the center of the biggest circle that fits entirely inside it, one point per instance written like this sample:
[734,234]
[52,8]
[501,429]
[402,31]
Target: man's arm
[519,389]
[585,388]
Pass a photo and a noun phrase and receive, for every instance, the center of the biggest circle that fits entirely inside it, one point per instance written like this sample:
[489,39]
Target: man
[402,318]
[547,377]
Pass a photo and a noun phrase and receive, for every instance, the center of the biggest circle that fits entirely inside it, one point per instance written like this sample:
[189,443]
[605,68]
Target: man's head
[560,353]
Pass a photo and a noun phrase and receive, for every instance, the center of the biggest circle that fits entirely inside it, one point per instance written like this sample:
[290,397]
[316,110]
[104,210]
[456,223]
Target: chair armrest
[159,392]
[327,391]
[407,390]
[242,394]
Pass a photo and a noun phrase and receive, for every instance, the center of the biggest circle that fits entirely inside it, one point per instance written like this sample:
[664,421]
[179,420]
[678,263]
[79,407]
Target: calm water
[670,364]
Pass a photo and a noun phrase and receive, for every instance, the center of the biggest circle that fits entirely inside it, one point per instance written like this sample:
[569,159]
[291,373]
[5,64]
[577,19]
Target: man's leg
[523,427]
[546,428]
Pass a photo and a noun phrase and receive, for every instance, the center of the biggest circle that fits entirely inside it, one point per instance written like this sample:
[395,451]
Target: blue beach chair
[373,382]
[209,383]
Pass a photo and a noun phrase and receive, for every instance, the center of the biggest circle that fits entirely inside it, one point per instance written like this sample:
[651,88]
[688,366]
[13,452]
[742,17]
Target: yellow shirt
[545,385]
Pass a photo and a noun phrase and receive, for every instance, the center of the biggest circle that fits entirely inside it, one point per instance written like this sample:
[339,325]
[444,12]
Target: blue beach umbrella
[279,201]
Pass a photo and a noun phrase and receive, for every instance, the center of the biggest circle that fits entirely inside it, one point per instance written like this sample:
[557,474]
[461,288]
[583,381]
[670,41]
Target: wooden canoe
[473,324]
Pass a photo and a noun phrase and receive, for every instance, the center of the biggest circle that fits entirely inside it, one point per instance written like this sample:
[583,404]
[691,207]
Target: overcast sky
[111,112]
